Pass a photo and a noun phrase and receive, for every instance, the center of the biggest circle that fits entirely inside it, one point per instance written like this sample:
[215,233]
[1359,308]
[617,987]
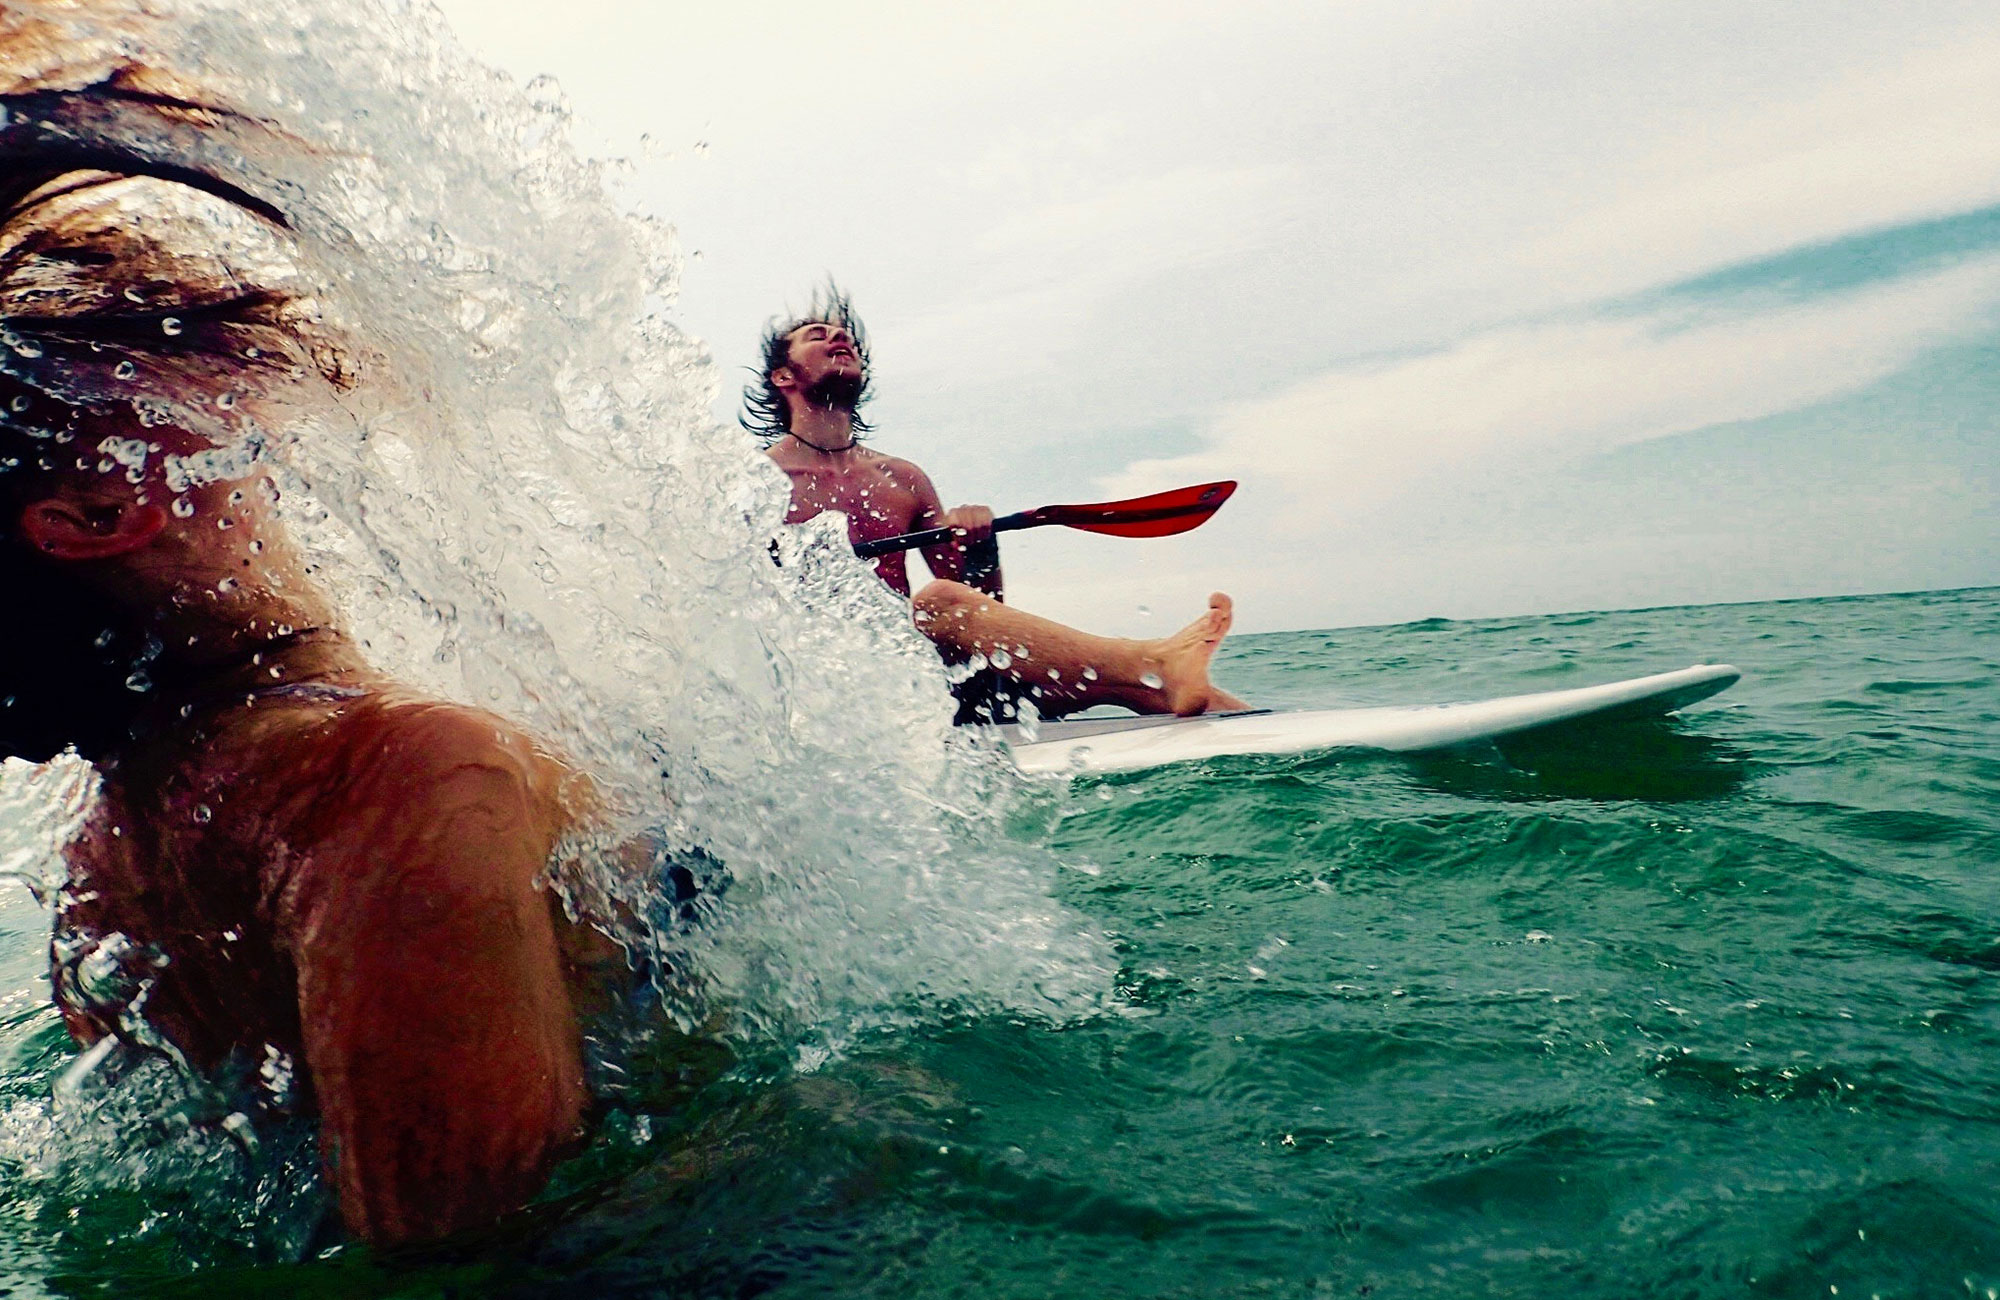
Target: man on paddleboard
[814,379]
[313,891]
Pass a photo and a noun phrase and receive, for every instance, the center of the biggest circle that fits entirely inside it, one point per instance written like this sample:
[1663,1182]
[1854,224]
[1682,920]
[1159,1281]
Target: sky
[1491,308]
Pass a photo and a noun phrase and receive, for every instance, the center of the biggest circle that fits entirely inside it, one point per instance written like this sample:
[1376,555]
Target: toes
[1221,613]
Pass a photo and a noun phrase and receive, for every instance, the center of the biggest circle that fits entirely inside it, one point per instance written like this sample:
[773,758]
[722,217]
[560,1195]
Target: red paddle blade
[1161,515]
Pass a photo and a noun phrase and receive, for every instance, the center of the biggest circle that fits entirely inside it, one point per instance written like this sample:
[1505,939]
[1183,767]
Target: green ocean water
[1704,1007]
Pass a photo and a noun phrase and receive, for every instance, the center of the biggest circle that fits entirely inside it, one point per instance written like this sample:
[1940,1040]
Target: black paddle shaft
[932,536]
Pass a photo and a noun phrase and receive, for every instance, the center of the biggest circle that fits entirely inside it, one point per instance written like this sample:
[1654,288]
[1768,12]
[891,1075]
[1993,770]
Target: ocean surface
[1702,1007]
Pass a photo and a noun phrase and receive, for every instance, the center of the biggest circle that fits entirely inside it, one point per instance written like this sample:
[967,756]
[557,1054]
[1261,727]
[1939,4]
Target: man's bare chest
[876,504]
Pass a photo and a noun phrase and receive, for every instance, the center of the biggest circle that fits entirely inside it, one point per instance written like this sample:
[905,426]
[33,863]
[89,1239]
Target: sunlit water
[1703,1008]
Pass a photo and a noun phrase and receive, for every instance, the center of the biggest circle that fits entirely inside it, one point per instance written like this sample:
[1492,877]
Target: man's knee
[942,599]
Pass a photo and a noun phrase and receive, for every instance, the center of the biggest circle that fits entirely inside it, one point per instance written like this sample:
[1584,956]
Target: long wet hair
[75,665]
[765,412]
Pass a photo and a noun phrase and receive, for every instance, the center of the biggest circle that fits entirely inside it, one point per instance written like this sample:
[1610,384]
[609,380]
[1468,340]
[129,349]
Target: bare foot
[1182,661]
[1221,701]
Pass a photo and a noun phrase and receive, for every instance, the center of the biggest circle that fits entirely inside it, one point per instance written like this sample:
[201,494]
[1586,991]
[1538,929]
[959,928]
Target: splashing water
[524,504]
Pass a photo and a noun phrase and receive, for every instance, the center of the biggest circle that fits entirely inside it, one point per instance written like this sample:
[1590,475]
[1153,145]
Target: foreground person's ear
[65,528]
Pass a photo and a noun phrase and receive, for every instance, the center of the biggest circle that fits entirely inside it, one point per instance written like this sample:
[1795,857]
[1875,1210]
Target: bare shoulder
[397,764]
[435,741]
[905,473]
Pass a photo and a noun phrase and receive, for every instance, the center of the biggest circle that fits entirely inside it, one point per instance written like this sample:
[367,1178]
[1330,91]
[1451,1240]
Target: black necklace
[824,451]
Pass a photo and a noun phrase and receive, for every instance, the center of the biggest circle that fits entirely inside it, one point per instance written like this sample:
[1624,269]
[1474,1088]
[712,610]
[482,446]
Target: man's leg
[1070,670]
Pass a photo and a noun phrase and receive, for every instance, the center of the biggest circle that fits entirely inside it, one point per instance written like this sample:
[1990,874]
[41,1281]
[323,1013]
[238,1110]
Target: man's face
[825,365]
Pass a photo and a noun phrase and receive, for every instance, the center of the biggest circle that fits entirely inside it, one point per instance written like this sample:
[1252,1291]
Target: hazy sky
[1492,307]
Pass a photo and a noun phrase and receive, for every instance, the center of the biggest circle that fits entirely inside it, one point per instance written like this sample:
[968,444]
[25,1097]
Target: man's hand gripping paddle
[1161,515]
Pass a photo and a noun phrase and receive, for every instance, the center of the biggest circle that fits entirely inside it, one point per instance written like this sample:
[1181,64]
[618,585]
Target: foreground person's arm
[436,1024]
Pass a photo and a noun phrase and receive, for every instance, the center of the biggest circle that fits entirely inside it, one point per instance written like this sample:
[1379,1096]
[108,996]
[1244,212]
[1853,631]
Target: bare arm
[972,557]
[437,1027]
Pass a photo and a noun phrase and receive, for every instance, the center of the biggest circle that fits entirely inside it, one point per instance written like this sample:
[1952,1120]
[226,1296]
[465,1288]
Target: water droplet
[124,370]
[256,546]
[139,682]
[1538,936]
[1145,611]
[702,149]
[1000,659]
[171,326]
[133,295]
[1089,674]
[20,404]
[182,508]
[1151,681]
[226,400]
[203,814]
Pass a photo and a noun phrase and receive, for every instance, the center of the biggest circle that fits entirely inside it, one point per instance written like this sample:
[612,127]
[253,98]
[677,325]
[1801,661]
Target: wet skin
[352,883]
[296,856]
[344,875]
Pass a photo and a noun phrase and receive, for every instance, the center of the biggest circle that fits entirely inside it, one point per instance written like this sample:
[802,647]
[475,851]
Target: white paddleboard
[1126,744]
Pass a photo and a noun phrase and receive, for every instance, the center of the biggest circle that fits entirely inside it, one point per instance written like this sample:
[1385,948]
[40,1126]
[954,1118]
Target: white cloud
[1359,438]
[1033,277]
[1917,138]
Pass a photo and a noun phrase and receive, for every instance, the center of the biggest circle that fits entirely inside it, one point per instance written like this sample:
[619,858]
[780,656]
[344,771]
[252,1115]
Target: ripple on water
[1876,1086]
[1906,826]
[1918,686]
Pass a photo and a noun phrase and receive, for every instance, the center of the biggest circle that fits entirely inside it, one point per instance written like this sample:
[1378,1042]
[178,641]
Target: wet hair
[78,113]
[765,412]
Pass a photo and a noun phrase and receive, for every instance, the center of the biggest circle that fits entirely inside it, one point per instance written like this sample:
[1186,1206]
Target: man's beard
[837,390]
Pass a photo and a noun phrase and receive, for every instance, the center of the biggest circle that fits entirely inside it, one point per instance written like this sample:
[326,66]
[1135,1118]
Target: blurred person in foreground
[310,888]
[806,406]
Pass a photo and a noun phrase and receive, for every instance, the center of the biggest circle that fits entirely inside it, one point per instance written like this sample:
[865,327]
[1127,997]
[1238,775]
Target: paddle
[1161,515]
